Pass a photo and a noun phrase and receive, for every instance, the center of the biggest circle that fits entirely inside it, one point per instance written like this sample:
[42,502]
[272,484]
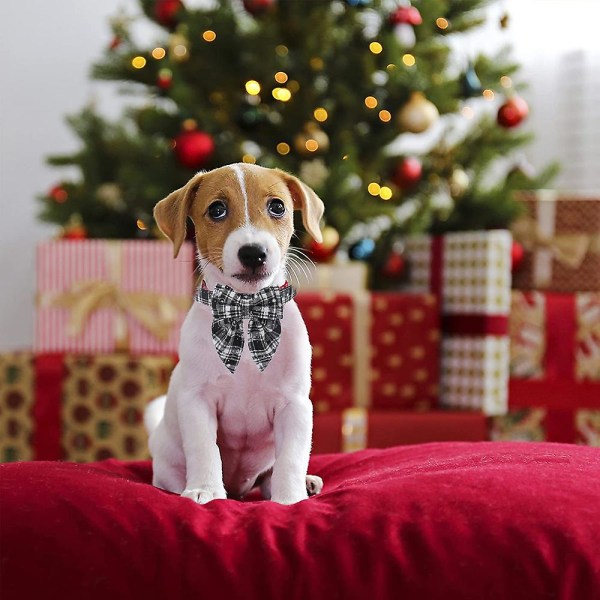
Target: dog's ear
[172,212]
[308,202]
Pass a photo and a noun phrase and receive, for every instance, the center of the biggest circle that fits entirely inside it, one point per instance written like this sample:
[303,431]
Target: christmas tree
[320,88]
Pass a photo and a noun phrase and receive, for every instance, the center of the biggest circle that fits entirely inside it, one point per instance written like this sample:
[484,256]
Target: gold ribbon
[569,249]
[355,423]
[156,313]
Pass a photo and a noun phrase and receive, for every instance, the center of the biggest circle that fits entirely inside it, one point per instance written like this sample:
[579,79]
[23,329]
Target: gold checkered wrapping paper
[472,273]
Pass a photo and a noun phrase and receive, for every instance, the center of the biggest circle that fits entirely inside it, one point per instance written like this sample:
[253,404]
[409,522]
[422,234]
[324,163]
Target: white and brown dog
[219,433]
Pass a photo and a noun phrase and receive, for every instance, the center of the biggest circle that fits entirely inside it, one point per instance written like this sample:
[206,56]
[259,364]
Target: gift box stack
[555,323]
[107,333]
[470,274]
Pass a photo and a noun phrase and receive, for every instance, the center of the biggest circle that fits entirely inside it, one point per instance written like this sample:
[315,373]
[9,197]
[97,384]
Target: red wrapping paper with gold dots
[77,407]
[372,350]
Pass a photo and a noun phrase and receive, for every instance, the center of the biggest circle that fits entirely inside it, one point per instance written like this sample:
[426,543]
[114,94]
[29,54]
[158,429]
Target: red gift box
[555,350]
[376,350]
[358,428]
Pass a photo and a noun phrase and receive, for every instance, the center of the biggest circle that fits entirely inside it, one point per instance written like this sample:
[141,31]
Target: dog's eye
[217,210]
[276,208]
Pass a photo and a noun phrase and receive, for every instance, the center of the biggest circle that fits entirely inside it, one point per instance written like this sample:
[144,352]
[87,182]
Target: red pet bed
[450,520]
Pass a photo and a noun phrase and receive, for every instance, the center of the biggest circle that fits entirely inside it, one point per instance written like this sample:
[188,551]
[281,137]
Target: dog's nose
[252,255]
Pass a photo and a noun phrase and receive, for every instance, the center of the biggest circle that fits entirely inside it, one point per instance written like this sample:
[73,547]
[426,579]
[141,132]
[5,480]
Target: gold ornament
[179,47]
[418,114]
[111,196]
[459,182]
[312,140]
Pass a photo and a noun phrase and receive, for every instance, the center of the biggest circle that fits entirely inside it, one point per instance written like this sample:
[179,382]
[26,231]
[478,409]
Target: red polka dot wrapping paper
[109,295]
[373,350]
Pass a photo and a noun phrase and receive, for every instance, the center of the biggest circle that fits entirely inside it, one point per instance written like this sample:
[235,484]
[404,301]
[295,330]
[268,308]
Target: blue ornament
[358,3]
[362,250]
[470,83]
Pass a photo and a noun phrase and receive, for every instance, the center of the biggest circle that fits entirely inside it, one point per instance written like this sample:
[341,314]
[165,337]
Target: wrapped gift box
[106,295]
[538,424]
[470,271]
[78,407]
[555,350]
[378,350]
[333,277]
[561,238]
[357,428]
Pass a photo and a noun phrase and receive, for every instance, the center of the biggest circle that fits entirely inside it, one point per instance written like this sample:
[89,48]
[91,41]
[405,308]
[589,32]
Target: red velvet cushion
[449,520]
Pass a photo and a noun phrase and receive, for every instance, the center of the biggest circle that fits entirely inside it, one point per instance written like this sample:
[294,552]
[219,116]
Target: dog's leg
[293,433]
[204,469]
[314,485]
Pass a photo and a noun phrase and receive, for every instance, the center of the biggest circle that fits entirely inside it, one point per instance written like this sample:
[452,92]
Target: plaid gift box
[377,350]
[471,273]
[561,238]
[106,295]
[76,406]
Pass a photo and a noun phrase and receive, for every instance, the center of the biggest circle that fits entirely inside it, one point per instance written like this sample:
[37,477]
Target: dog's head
[243,216]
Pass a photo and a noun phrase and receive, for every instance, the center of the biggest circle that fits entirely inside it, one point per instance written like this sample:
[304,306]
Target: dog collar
[264,311]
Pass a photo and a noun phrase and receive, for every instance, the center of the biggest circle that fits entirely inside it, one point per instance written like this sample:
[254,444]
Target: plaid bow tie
[264,311]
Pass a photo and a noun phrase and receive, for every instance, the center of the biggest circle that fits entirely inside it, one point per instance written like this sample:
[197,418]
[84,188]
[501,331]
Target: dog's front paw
[314,485]
[201,496]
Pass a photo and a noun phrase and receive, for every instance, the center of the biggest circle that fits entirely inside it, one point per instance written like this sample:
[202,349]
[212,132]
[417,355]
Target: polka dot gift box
[471,274]
[77,406]
[372,350]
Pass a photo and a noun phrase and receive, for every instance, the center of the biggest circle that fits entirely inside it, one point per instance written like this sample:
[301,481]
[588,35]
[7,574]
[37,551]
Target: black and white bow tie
[264,311]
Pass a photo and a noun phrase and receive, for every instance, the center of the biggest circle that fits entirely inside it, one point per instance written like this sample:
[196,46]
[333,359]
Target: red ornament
[75,232]
[517,253]
[164,79]
[58,194]
[165,12]
[115,43]
[323,251]
[394,266]
[255,7]
[408,173]
[406,15]
[194,148]
[512,112]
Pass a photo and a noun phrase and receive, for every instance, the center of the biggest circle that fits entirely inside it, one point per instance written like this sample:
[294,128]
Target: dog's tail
[154,413]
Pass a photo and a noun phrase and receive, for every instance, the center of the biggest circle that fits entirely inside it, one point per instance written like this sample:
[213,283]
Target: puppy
[222,432]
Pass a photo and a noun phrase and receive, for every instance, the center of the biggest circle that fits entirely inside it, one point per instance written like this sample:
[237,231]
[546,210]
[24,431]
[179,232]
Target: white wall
[47,50]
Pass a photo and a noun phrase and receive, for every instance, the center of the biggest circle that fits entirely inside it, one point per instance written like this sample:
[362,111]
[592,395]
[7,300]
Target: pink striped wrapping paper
[131,267]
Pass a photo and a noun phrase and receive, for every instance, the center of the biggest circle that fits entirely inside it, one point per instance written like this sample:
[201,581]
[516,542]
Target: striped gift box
[107,295]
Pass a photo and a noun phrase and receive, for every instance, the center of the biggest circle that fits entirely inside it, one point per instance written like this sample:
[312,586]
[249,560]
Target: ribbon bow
[264,311]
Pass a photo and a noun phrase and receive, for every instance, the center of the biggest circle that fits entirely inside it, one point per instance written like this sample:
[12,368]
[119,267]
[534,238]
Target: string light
[505,81]
[293,86]
[141,225]
[209,35]
[375,47]
[488,94]
[158,53]
[253,87]
[345,157]
[190,124]
[320,114]
[311,145]
[370,102]
[467,112]
[442,23]
[391,67]
[139,62]
[281,77]
[281,94]
[385,193]
[408,60]
[385,115]
[281,50]
[374,188]
[248,158]
[316,63]
[283,148]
